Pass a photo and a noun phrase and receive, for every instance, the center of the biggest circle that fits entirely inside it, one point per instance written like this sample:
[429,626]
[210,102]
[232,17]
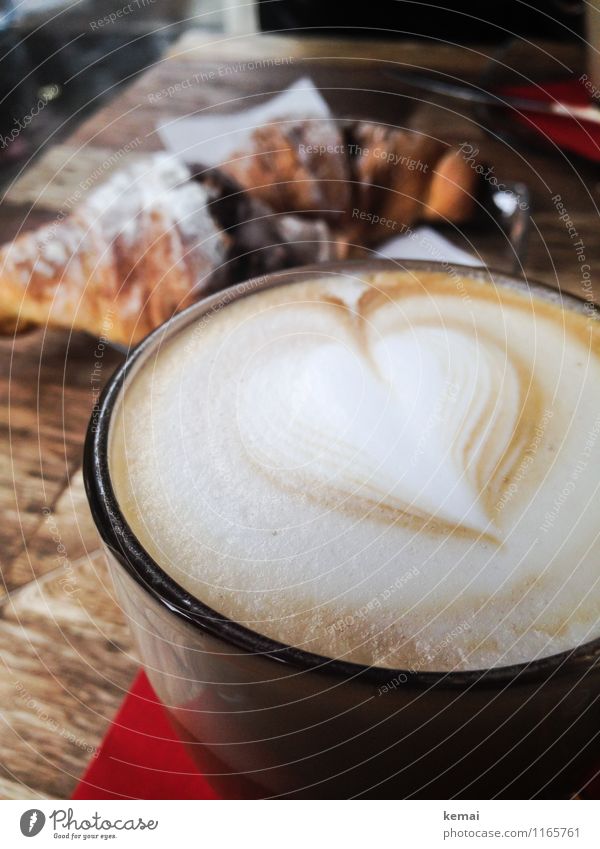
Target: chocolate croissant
[295,166]
[369,181]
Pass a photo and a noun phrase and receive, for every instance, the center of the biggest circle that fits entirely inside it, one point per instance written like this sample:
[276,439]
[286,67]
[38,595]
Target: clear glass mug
[263,719]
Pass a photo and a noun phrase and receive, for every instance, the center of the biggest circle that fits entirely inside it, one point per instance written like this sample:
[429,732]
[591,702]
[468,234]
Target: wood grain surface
[65,652]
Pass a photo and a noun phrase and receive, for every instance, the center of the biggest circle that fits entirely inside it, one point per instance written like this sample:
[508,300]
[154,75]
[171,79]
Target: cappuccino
[398,469]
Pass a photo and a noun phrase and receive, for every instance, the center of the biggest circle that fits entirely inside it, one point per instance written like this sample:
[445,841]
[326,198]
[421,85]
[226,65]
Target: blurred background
[60,60]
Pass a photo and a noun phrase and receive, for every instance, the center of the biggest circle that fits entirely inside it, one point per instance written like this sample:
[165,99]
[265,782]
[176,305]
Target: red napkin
[580,137]
[141,757]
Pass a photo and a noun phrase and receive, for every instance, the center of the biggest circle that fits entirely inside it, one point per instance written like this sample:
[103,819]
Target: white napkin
[426,243]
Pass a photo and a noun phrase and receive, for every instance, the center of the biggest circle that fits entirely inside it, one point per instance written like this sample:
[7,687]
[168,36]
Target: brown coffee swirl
[368,468]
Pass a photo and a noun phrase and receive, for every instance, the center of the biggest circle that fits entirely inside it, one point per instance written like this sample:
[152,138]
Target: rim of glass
[128,551]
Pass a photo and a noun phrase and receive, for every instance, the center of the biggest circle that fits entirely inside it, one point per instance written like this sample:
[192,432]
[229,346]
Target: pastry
[157,236]
[402,177]
[295,166]
[140,247]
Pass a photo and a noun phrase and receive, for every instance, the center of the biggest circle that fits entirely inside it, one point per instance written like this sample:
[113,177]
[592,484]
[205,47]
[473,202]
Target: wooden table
[66,658]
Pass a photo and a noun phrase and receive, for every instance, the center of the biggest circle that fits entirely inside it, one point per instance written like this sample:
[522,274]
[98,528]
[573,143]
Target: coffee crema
[397,469]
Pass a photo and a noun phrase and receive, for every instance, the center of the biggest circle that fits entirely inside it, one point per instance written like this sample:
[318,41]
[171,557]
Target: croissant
[142,246]
[453,189]
[369,182]
[392,171]
[263,240]
[295,166]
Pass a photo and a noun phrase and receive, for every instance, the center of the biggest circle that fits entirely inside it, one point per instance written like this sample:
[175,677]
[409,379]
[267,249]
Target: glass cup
[263,719]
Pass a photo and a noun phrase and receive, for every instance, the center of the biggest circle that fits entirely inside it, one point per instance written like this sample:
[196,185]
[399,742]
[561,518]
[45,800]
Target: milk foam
[394,469]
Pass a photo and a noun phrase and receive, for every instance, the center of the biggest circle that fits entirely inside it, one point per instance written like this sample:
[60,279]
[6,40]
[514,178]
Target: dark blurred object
[59,65]
[575,105]
[550,76]
[17,90]
[461,21]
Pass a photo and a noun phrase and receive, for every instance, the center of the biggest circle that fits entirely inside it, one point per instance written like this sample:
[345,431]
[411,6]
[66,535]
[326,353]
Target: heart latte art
[397,469]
